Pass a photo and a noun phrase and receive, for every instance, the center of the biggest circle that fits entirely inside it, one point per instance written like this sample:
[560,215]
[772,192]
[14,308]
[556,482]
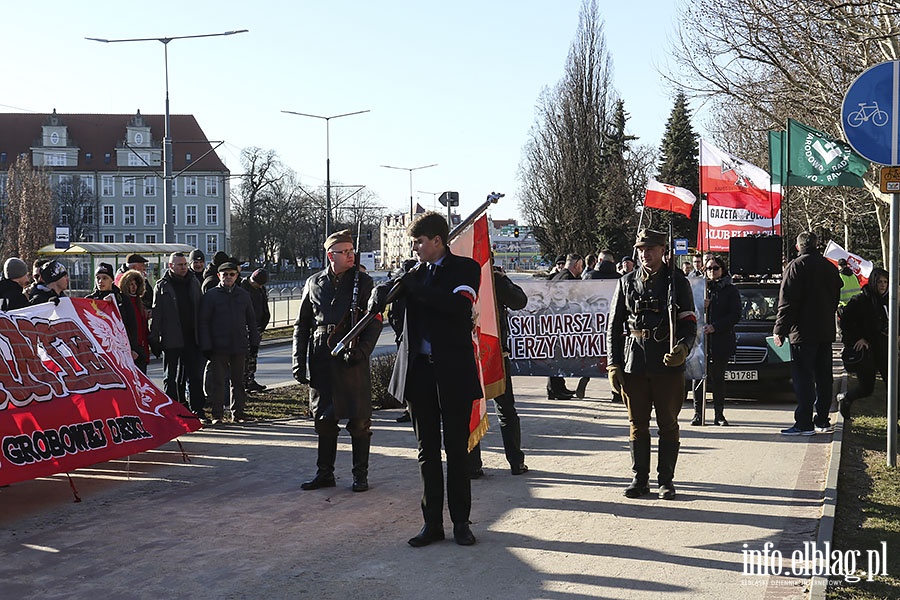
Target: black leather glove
[378,299]
[300,377]
[353,356]
[155,348]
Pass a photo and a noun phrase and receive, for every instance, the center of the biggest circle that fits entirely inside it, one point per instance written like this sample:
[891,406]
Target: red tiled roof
[101,134]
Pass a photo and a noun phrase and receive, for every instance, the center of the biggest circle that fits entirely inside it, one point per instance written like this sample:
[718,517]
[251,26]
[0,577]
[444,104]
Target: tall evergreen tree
[615,212]
[679,165]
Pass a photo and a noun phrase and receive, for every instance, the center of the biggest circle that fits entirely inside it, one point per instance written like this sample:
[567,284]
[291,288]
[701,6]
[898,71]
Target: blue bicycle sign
[866,112]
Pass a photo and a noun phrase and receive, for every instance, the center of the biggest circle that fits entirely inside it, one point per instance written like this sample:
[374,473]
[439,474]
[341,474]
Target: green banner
[814,158]
[776,157]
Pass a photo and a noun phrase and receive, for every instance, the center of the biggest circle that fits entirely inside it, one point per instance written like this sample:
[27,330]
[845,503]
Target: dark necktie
[429,273]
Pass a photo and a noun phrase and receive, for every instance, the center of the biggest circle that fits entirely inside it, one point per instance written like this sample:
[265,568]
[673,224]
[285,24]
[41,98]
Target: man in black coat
[808,298]
[340,387]
[12,285]
[436,371]
[570,271]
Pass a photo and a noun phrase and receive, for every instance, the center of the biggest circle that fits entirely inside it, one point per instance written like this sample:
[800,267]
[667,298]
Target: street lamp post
[410,169]
[327,158]
[168,225]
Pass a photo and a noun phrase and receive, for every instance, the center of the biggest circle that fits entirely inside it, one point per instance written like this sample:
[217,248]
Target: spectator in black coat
[255,285]
[12,286]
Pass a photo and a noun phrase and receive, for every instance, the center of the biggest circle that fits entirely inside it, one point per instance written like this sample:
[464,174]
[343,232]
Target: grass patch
[278,333]
[292,401]
[868,501]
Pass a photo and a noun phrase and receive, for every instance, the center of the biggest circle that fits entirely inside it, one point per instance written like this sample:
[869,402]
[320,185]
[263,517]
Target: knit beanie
[14,268]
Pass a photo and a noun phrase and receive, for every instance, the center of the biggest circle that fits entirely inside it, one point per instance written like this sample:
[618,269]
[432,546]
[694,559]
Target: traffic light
[516,232]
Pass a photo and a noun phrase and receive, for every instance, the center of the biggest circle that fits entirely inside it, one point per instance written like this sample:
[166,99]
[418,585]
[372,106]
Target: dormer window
[54,138]
[87,157]
[188,158]
[107,157]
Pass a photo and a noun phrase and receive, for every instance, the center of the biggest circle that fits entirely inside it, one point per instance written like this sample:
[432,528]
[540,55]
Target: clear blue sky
[448,83]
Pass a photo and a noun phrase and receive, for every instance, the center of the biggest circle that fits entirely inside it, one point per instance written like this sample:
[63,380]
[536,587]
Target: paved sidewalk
[234,523]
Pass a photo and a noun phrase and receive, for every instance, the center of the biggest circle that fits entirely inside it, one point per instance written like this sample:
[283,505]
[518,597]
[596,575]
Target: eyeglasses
[347,252]
[715,268]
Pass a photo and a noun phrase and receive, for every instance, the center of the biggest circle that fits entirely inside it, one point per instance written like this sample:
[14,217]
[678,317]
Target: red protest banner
[70,395]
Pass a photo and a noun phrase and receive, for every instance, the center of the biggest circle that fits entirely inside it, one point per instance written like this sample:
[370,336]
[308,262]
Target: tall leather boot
[698,412]
[360,447]
[325,465]
[665,468]
[640,465]
[720,415]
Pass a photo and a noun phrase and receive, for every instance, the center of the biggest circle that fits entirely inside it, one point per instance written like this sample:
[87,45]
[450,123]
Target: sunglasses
[715,268]
[229,274]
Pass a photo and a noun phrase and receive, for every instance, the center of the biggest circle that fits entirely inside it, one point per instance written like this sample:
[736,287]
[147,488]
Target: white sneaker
[827,429]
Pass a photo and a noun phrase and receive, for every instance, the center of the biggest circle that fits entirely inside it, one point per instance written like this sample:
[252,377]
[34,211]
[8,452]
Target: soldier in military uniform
[646,366]
[341,386]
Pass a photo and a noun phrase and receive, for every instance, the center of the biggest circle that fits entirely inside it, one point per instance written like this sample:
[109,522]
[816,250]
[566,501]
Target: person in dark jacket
[570,270]
[864,325]
[103,277]
[255,285]
[54,283]
[723,311]
[807,301]
[605,269]
[227,330]
[509,296]
[436,372]
[173,333]
[211,273]
[35,276]
[197,264]
[340,387]
[12,286]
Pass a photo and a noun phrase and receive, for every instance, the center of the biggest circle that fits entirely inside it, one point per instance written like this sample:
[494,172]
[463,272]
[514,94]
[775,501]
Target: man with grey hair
[808,298]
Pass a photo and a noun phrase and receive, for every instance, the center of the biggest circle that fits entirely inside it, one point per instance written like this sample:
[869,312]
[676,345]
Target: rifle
[398,287]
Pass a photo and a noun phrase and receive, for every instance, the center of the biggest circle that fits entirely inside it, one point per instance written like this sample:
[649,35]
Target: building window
[190,185]
[149,214]
[65,184]
[128,215]
[212,186]
[87,215]
[138,159]
[129,238]
[107,186]
[212,214]
[149,238]
[54,159]
[212,243]
[174,215]
[150,186]
[190,215]
[87,184]
[109,215]
[89,237]
[190,239]
[128,186]
[63,217]
[174,187]
[109,238]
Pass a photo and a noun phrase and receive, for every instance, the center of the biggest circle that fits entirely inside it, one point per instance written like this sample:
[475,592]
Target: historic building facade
[106,173]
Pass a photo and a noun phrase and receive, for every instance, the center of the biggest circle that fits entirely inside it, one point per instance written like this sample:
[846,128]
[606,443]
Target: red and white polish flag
[669,197]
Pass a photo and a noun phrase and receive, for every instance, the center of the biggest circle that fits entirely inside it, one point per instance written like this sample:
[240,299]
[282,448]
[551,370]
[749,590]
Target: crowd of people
[201,319]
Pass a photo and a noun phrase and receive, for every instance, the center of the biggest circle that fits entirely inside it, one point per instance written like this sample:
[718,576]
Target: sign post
[870,118]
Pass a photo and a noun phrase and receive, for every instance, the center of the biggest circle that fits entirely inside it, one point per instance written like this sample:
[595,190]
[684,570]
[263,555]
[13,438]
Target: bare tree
[562,169]
[77,205]
[29,223]
[758,62]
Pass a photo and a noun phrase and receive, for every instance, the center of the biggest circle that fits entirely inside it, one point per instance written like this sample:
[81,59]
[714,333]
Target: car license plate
[741,375]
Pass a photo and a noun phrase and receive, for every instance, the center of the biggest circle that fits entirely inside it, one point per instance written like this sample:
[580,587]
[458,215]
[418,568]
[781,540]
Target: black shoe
[463,535]
[404,418]
[519,469]
[360,484]
[243,418]
[429,533]
[582,387]
[559,396]
[696,420]
[722,421]
[666,491]
[637,488]
[476,474]
[319,481]
[253,386]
